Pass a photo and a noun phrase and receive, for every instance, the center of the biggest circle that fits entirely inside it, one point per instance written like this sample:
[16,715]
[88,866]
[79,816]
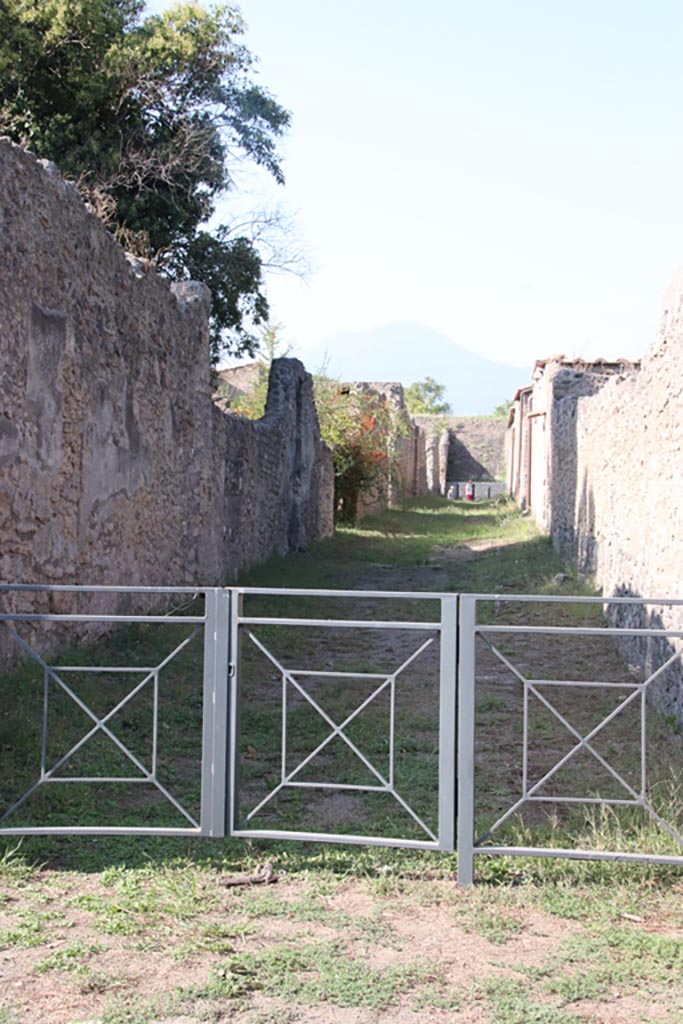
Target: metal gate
[601,747]
[213,625]
[362,717]
[396,664]
[74,706]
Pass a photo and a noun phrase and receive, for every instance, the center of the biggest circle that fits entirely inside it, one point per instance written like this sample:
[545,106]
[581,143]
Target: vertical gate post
[233,764]
[447,721]
[466,682]
[214,818]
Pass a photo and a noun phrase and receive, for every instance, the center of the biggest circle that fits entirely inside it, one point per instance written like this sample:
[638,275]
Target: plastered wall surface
[115,464]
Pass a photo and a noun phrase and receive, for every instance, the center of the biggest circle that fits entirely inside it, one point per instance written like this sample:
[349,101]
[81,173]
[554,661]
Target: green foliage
[426,396]
[148,115]
[512,1002]
[503,409]
[358,426]
[71,958]
[270,347]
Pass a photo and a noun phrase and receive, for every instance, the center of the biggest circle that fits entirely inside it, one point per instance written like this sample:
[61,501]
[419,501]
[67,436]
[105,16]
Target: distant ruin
[429,452]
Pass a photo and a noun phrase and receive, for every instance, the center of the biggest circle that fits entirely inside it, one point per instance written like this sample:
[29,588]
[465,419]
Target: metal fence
[571,684]
[221,667]
[396,651]
[294,715]
[36,635]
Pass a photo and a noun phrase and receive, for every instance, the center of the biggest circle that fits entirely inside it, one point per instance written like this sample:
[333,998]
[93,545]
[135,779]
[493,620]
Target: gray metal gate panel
[469,630]
[215,690]
[446,627]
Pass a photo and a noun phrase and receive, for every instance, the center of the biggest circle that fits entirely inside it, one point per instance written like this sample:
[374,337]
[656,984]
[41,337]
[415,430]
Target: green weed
[71,958]
[32,929]
[622,957]
[311,974]
[129,1011]
[510,1002]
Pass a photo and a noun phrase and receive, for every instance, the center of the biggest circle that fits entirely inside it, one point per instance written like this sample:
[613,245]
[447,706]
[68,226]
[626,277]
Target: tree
[358,426]
[252,405]
[426,396]
[503,409]
[151,116]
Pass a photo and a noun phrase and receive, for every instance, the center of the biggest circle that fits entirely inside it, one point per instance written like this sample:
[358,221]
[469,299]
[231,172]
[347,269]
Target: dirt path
[350,936]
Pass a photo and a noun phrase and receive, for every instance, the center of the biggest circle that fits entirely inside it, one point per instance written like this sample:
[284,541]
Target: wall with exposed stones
[606,467]
[408,474]
[418,448]
[115,464]
[475,445]
[417,457]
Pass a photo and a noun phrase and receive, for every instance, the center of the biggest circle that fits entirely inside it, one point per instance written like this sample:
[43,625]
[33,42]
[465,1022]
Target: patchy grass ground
[135,930]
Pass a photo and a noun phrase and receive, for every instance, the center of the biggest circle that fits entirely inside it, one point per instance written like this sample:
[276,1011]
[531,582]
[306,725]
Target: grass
[70,958]
[407,537]
[148,928]
[511,1002]
[310,974]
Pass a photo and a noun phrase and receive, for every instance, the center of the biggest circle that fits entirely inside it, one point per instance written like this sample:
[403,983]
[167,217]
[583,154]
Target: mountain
[407,352]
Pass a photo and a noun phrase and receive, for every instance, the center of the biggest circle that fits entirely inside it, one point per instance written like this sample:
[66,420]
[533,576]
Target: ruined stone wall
[432,460]
[460,448]
[614,499]
[115,464]
[417,463]
[477,447]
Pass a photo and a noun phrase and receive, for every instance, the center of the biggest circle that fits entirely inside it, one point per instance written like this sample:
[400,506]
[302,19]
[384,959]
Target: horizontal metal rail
[337,623]
[49,588]
[99,830]
[64,617]
[325,837]
[577,854]
[419,595]
[580,630]
[566,599]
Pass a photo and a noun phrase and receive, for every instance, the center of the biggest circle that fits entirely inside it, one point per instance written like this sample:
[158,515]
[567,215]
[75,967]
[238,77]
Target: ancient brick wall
[115,464]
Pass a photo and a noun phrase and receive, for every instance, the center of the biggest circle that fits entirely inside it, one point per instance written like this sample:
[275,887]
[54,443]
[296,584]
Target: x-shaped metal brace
[100,725]
[584,743]
[388,680]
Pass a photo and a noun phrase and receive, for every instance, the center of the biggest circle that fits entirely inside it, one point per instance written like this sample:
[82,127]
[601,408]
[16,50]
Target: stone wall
[607,479]
[477,448]
[427,451]
[115,464]
[418,455]
[418,446]
[431,459]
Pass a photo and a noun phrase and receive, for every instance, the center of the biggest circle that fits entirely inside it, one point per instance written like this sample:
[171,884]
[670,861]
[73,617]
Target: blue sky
[507,173]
